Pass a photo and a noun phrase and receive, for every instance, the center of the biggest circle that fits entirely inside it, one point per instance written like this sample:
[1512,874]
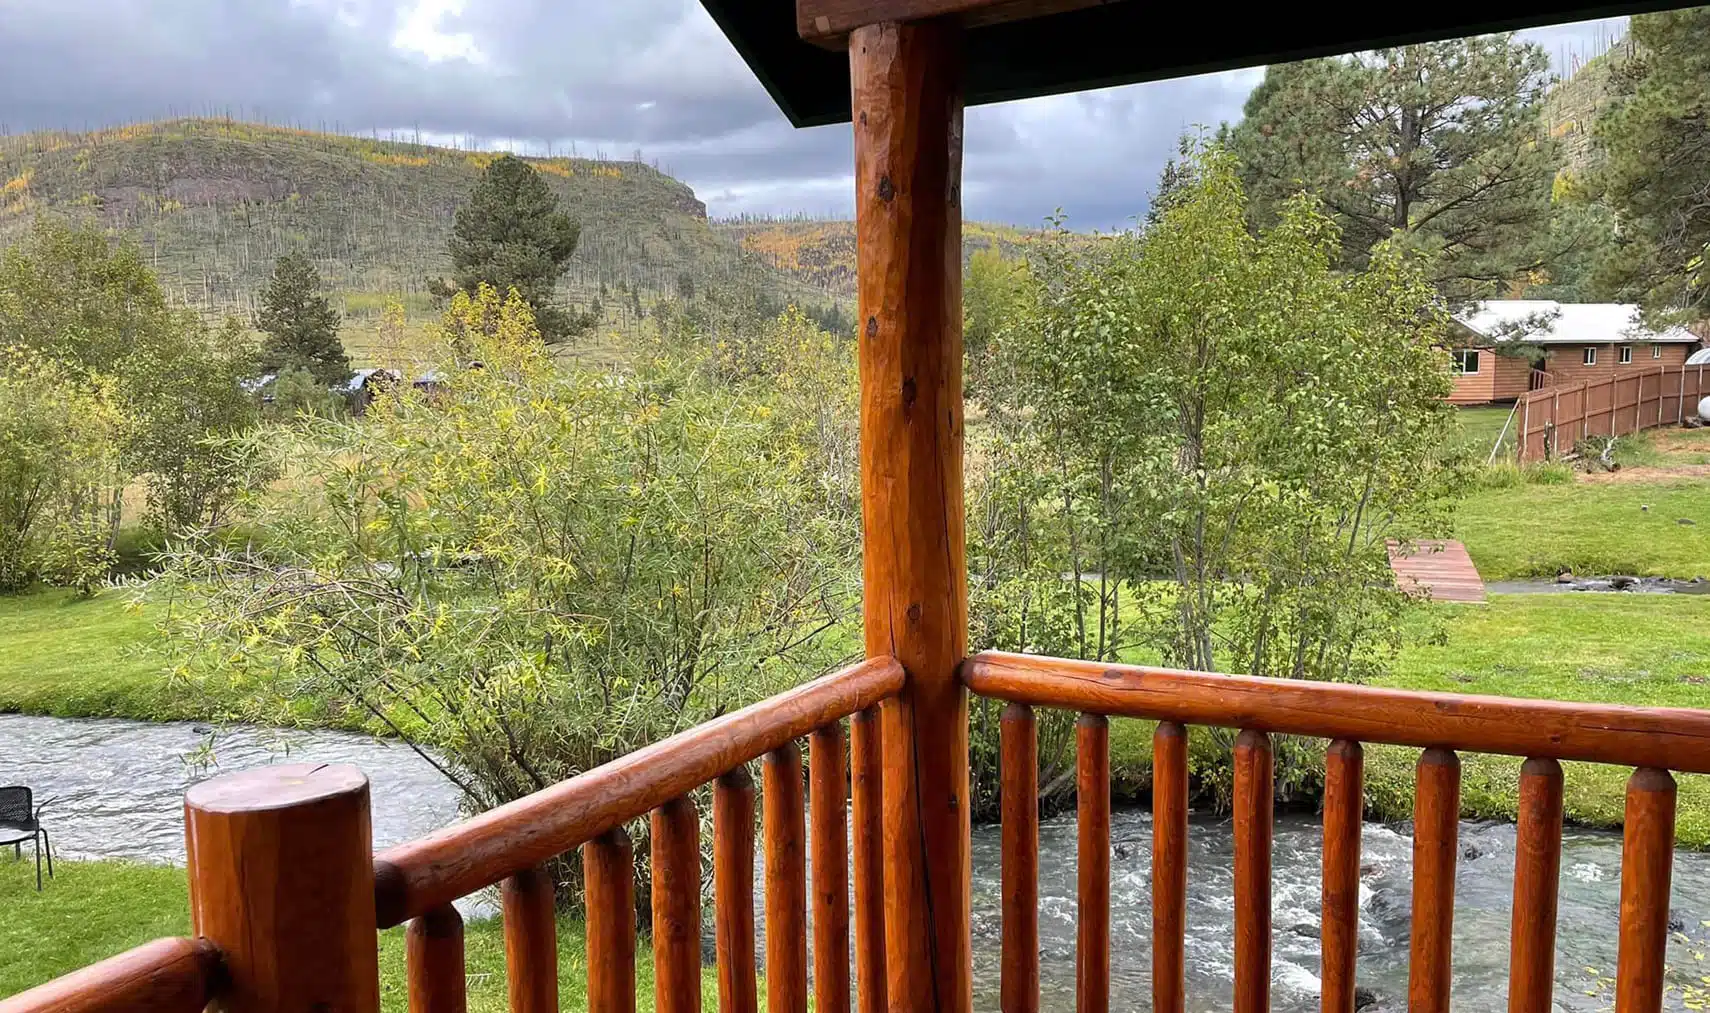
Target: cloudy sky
[653,76]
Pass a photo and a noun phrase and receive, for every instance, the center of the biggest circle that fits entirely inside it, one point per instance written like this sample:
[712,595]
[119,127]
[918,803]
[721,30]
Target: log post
[906,87]
[282,881]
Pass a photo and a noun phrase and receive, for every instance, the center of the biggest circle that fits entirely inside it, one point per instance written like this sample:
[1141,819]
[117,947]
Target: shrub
[537,569]
[59,479]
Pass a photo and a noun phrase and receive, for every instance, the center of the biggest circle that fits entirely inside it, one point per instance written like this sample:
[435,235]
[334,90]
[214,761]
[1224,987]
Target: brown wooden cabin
[286,894]
[1512,346]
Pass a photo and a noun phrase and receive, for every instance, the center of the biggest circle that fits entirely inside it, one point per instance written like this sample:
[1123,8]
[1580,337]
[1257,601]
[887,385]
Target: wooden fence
[1551,420]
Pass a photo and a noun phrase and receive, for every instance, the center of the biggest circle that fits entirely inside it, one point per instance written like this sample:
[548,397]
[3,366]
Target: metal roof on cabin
[1123,42]
[1546,322]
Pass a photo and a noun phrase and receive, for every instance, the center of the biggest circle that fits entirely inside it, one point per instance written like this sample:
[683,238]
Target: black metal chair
[20,821]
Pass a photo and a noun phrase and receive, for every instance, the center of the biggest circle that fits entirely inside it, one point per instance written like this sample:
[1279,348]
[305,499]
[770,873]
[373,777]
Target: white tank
[1704,409]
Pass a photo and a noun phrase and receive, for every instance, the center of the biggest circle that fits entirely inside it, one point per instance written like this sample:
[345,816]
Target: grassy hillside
[821,254]
[214,202]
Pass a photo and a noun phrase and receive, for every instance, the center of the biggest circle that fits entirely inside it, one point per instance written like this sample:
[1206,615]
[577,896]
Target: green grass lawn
[71,657]
[1480,426]
[1533,530]
[93,910]
[1626,649]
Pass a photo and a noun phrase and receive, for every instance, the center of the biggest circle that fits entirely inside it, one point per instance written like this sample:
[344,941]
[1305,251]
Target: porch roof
[1013,51]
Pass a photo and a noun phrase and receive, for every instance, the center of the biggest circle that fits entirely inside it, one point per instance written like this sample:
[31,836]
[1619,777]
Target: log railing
[286,893]
[1652,740]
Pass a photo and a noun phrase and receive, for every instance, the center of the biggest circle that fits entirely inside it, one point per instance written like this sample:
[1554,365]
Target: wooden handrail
[167,975]
[414,878]
[1665,738]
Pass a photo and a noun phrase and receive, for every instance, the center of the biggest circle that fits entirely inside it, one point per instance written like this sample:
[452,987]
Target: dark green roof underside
[1124,43]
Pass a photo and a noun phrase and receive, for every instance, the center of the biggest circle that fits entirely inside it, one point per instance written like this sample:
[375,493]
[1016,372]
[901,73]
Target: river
[117,787]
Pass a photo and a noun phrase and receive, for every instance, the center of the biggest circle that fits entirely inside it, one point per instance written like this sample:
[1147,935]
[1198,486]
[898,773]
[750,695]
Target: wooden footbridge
[1440,569]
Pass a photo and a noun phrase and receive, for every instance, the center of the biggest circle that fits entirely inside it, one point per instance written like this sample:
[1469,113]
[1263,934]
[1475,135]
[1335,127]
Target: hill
[1574,103]
[820,254]
[214,202]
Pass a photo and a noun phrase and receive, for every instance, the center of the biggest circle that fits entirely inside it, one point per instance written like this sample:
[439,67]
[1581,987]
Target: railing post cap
[282,786]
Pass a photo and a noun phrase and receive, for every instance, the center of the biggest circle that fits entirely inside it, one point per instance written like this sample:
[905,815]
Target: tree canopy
[1439,142]
[511,234]
[1655,173]
[1214,431]
[86,311]
[300,324]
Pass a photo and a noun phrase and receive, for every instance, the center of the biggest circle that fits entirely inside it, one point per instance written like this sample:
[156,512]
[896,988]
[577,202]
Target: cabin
[286,893]
[1512,346]
[365,385]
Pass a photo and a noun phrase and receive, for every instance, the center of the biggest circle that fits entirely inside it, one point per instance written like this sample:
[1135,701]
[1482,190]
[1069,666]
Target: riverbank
[103,657]
[1650,518]
[70,657]
[82,659]
[93,910]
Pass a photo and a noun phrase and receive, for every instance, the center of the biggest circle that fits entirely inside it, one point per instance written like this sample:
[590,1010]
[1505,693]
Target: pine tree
[512,234]
[1440,143]
[1655,144]
[300,325]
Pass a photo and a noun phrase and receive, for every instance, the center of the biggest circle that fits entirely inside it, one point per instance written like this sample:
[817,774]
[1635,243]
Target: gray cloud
[647,75]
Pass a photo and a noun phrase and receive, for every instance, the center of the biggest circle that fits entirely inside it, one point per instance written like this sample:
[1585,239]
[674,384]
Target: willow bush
[536,568]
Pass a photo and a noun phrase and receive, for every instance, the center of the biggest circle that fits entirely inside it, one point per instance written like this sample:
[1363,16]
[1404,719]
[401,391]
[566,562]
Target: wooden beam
[829,22]
[908,171]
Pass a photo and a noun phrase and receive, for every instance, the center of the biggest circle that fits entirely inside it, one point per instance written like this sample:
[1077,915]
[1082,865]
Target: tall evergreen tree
[1656,171]
[512,234]
[300,325]
[1440,142]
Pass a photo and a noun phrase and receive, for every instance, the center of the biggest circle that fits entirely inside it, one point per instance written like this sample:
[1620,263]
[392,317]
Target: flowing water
[117,787]
[1586,942]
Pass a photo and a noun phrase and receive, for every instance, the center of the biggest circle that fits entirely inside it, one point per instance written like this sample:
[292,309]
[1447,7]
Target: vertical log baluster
[868,861]
[1092,814]
[1436,836]
[433,957]
[608,875]
[1169,867]
[1253,828]
[677,907]
[786,882]
[1647,861]
[1344,804]
[1537,874]
[827,803]
[733,889]
[531,941]
[1019,801]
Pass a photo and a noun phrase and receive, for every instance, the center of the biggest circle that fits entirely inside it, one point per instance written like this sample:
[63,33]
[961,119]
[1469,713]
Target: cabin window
[1626,354]
[1590,355]
[1656,351]
[1466,361]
